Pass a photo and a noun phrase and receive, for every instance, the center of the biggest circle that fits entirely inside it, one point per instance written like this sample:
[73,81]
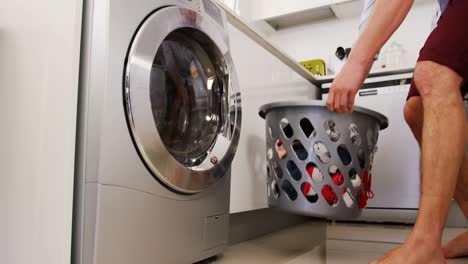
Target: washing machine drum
[182,102]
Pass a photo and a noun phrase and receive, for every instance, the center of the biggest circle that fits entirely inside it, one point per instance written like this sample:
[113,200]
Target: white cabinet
[267,9]
[39,51]
[281,14]
[396,169]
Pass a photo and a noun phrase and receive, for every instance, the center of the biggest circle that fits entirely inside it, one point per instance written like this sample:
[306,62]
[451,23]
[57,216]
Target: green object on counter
[316,67]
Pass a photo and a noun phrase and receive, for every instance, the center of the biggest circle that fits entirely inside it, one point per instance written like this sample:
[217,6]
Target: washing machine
[159,123]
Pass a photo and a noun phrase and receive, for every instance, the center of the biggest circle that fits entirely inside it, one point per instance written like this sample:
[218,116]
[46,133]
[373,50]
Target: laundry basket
[320,162]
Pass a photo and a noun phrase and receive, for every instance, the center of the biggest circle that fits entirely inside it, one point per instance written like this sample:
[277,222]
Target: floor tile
[343,243]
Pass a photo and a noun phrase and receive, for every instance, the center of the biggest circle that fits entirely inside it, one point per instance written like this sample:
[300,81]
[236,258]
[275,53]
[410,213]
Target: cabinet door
[396,171]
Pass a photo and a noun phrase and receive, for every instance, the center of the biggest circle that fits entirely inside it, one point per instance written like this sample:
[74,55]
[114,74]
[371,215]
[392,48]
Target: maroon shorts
[448,43]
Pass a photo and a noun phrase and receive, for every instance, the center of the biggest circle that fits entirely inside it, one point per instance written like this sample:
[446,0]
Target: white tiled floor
[345,243]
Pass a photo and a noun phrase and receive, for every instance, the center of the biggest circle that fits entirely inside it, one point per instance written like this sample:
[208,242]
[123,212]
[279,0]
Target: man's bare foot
[417,254]
[457,247]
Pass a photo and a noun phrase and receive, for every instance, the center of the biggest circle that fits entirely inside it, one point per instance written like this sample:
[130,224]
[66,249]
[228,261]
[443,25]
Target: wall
[39,51]
[320,39]
[263,79]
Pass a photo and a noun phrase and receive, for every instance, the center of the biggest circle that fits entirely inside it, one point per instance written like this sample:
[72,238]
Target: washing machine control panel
[210,8]
[196,4]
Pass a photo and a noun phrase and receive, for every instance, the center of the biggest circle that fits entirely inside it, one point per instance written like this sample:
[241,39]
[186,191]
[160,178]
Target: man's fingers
[330,100]
[351,98]
[341,100]
[336,102]
[344,102]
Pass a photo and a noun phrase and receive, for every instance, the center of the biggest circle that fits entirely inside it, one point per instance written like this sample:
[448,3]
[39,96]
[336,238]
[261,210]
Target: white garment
[365,18]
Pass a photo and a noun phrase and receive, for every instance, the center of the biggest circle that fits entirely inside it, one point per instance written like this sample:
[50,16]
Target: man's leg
[414,118]
[443,147]
[461,192]
[459,246]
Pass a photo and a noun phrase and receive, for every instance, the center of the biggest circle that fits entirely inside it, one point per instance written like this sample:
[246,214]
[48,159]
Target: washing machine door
[182,100]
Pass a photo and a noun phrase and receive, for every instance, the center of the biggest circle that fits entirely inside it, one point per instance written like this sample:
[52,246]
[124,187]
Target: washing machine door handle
[220,105]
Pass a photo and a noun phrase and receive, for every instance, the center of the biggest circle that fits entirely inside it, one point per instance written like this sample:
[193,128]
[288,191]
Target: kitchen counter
[345,243]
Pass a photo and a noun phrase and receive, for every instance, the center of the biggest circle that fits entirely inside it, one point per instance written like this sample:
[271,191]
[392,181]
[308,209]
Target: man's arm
[387,17]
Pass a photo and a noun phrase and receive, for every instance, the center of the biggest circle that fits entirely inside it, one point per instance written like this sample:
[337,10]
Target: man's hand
[345,86]
[386,18]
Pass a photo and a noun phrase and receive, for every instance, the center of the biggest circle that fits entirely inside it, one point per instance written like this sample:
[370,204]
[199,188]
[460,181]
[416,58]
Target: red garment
[361,199]
[314,173]
[368,185]
[307,189]
[338,178]
[279,143]
[329,195]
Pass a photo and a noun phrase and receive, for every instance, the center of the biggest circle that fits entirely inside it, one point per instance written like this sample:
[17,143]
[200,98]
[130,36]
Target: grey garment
[365,18]
[439,11]
[366,14]
[443,5]
[369,8]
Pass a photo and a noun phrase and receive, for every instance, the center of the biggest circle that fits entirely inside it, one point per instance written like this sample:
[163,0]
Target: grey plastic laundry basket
[320,162]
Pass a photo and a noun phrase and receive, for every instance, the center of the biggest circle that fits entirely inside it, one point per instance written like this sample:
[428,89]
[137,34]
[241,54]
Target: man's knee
[413,112]
[424,77]
[433,78]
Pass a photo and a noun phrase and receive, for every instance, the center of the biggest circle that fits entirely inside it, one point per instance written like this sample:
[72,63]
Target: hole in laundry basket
[367,180]
[287,128]
[336,175]
[288,188]
[362,158]
[275,189]
[347,197]
[277,169]
[322,152]
[352,173]
[270,154]
[268,173]
[361,199]
[294,170]
[332,131]
[280,149]
[309,193]
[354,135]
[372,137]
[308,128]
[330,195]
[372,140]
[371,158]
[355,179]
[299,149]
[314,172]
[270,133]
[344,154]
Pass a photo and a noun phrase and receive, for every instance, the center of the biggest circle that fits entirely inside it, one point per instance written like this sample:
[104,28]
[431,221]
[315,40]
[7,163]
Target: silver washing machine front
[182,102]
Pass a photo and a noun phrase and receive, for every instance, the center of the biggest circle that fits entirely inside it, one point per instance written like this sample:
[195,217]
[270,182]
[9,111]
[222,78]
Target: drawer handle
[368,93]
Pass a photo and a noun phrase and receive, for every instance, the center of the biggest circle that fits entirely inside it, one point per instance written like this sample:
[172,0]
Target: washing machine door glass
[187,96]
[182,99]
